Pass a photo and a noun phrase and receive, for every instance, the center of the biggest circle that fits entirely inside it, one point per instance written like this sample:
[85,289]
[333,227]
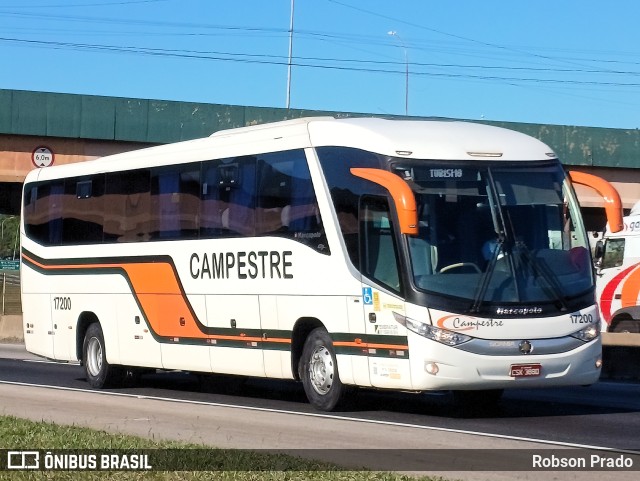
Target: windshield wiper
[554,288]
[486,277]
[497,217]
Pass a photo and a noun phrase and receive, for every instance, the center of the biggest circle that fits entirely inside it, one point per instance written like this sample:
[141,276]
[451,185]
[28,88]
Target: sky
[560,62]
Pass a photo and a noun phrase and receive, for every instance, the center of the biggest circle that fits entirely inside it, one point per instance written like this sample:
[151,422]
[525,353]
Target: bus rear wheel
[319,371]
[99,373]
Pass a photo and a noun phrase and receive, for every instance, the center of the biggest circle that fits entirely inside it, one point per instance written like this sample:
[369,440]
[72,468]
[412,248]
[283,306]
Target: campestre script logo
[464,323]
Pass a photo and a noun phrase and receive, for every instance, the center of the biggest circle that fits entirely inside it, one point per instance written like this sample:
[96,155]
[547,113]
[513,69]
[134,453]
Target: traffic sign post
[9,265]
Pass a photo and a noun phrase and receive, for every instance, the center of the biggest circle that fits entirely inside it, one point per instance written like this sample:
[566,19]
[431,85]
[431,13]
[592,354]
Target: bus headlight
[588,333]
[442,336]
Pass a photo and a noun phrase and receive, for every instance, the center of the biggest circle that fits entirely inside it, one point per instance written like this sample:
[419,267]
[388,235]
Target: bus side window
[287,204]
[378,245]
[240,215]
[43,212]
[175,202]
[346,189]
[274,188]
[212,205]
[31,219]
[83,210]
[127,206]
[613,253]
[228,197]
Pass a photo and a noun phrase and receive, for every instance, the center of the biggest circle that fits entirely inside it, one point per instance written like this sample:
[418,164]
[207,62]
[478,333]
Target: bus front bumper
[445,367]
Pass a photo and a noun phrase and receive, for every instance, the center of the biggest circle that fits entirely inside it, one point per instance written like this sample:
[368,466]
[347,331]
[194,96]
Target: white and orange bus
[393,254]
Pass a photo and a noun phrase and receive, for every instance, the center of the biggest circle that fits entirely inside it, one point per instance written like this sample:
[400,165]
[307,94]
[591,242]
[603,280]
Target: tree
[9,236]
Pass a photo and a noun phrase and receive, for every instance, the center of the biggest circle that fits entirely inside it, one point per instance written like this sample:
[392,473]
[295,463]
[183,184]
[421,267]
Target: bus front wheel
[98,371]
[319,371]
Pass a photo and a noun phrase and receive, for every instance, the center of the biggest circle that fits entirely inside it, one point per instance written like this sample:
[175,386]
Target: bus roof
[417,139]
[428,139]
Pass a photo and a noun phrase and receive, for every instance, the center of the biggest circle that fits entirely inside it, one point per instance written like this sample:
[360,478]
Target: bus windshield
[497,233]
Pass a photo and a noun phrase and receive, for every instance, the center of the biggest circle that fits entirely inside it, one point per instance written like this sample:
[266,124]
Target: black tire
[319,371]
[627,325]
[99,373]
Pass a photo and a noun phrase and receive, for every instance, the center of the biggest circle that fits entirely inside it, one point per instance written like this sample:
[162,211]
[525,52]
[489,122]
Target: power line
[538,72]
[99,4]
[316,62]
[368,39]
[124,21]
[460,37]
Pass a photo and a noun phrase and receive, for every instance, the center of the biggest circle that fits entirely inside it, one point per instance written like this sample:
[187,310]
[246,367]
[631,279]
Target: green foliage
[228,465]
[9,236]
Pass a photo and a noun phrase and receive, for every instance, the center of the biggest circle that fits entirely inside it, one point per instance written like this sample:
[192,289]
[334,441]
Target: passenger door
[381,286]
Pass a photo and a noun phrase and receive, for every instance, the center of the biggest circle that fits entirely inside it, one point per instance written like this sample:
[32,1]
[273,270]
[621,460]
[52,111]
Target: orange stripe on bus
[370,345]
[66,266]
[630,289]
[166,308]
[161,299]
[157,289]
[278,340]
[240,337]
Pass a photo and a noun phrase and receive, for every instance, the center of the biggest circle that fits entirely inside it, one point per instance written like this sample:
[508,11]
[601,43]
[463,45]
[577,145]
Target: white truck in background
[617,258]
[617,261]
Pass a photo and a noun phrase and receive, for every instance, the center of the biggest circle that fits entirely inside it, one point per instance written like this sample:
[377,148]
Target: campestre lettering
[241,265]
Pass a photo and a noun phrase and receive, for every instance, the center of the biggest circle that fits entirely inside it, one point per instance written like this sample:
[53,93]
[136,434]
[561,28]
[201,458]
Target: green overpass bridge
[63,128]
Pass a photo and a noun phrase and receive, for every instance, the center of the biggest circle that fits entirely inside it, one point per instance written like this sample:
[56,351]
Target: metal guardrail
[10,277]
[10,292]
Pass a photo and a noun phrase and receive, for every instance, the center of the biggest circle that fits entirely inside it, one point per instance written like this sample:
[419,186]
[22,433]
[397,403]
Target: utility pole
[290,55]
[393,33]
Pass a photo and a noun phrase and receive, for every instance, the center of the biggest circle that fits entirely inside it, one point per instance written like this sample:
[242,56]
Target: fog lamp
[431,368]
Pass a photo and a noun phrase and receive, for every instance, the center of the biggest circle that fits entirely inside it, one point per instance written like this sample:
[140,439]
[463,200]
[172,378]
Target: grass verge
[20,434]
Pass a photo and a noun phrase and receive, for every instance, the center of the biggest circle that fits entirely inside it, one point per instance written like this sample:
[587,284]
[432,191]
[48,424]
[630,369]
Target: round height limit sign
[42,157]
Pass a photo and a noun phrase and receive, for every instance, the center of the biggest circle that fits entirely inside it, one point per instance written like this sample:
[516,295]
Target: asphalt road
[267,414]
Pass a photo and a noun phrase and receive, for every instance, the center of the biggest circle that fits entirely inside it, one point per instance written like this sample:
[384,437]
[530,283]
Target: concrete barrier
[627,339]
[11,328]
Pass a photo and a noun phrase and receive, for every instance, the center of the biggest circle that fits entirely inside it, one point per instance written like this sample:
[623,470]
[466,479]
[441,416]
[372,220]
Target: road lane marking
[328,416]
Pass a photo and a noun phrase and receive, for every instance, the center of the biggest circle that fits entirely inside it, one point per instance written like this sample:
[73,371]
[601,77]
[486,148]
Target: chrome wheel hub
[321,370]
[94,356]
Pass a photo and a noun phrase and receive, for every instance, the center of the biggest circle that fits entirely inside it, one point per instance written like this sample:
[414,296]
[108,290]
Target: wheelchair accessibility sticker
[367,295]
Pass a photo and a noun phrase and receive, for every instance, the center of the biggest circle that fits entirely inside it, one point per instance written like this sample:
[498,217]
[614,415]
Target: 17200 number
[62,303]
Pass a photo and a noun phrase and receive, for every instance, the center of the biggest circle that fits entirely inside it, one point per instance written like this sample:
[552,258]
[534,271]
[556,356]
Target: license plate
[525,370]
